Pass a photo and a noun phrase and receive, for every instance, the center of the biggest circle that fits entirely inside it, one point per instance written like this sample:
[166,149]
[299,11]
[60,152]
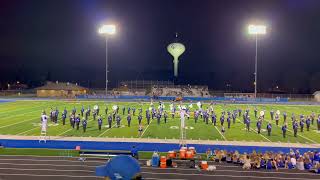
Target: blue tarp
[119,167]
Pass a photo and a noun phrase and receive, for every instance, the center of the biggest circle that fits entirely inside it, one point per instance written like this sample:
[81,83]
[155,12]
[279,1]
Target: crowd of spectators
[181,91]
[269,160]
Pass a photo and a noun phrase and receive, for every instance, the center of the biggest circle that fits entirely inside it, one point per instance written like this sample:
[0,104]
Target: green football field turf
[23,118]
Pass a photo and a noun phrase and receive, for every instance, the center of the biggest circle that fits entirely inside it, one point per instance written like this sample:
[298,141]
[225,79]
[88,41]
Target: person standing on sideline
[129,120]
[271,114]
[109,120]
[165,116]
[140,119]
[82,110]
[295,128]
[148,117]
[64,116]
[301,124]
[140,130]
[118,120]
[313,115]
[229,121]
[123,110]
[259,123]
[222,120]
[255,112]
[99,123]
[77,122]
[269,129]
[284,130]
[84,125]
[284,117]
[247,122]
[308,122]
[158,118]
[277,118]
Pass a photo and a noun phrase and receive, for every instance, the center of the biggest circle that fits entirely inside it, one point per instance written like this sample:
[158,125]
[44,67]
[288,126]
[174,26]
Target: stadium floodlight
[256,30]
[107,30]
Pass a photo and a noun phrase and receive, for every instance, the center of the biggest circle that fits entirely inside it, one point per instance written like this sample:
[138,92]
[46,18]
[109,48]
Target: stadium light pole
[107,30]
[256,30]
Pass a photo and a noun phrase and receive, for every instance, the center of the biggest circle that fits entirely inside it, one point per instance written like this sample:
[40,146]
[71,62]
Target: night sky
[58,40]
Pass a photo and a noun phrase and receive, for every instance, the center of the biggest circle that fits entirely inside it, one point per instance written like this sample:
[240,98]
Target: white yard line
[71,129]
[15,115]
[256,131]
[107,130]
[261,135]
[64,132]
[14,109]
[24,120]
[299,135]
[28,130]
[19,122]
[220,133]
[146,129]
[12,105]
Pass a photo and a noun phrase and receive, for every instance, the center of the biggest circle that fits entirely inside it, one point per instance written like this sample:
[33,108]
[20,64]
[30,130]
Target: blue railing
[141,146]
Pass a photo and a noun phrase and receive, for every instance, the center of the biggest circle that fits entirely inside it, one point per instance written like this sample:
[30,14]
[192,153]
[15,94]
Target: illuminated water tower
[176,49]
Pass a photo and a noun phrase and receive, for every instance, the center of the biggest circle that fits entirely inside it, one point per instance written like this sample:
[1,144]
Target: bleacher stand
[185,91]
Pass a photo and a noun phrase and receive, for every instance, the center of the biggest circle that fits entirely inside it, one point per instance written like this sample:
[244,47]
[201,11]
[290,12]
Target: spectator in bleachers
[300,163]
[269,160]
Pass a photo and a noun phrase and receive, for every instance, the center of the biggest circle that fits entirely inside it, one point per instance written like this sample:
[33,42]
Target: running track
[52,168]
